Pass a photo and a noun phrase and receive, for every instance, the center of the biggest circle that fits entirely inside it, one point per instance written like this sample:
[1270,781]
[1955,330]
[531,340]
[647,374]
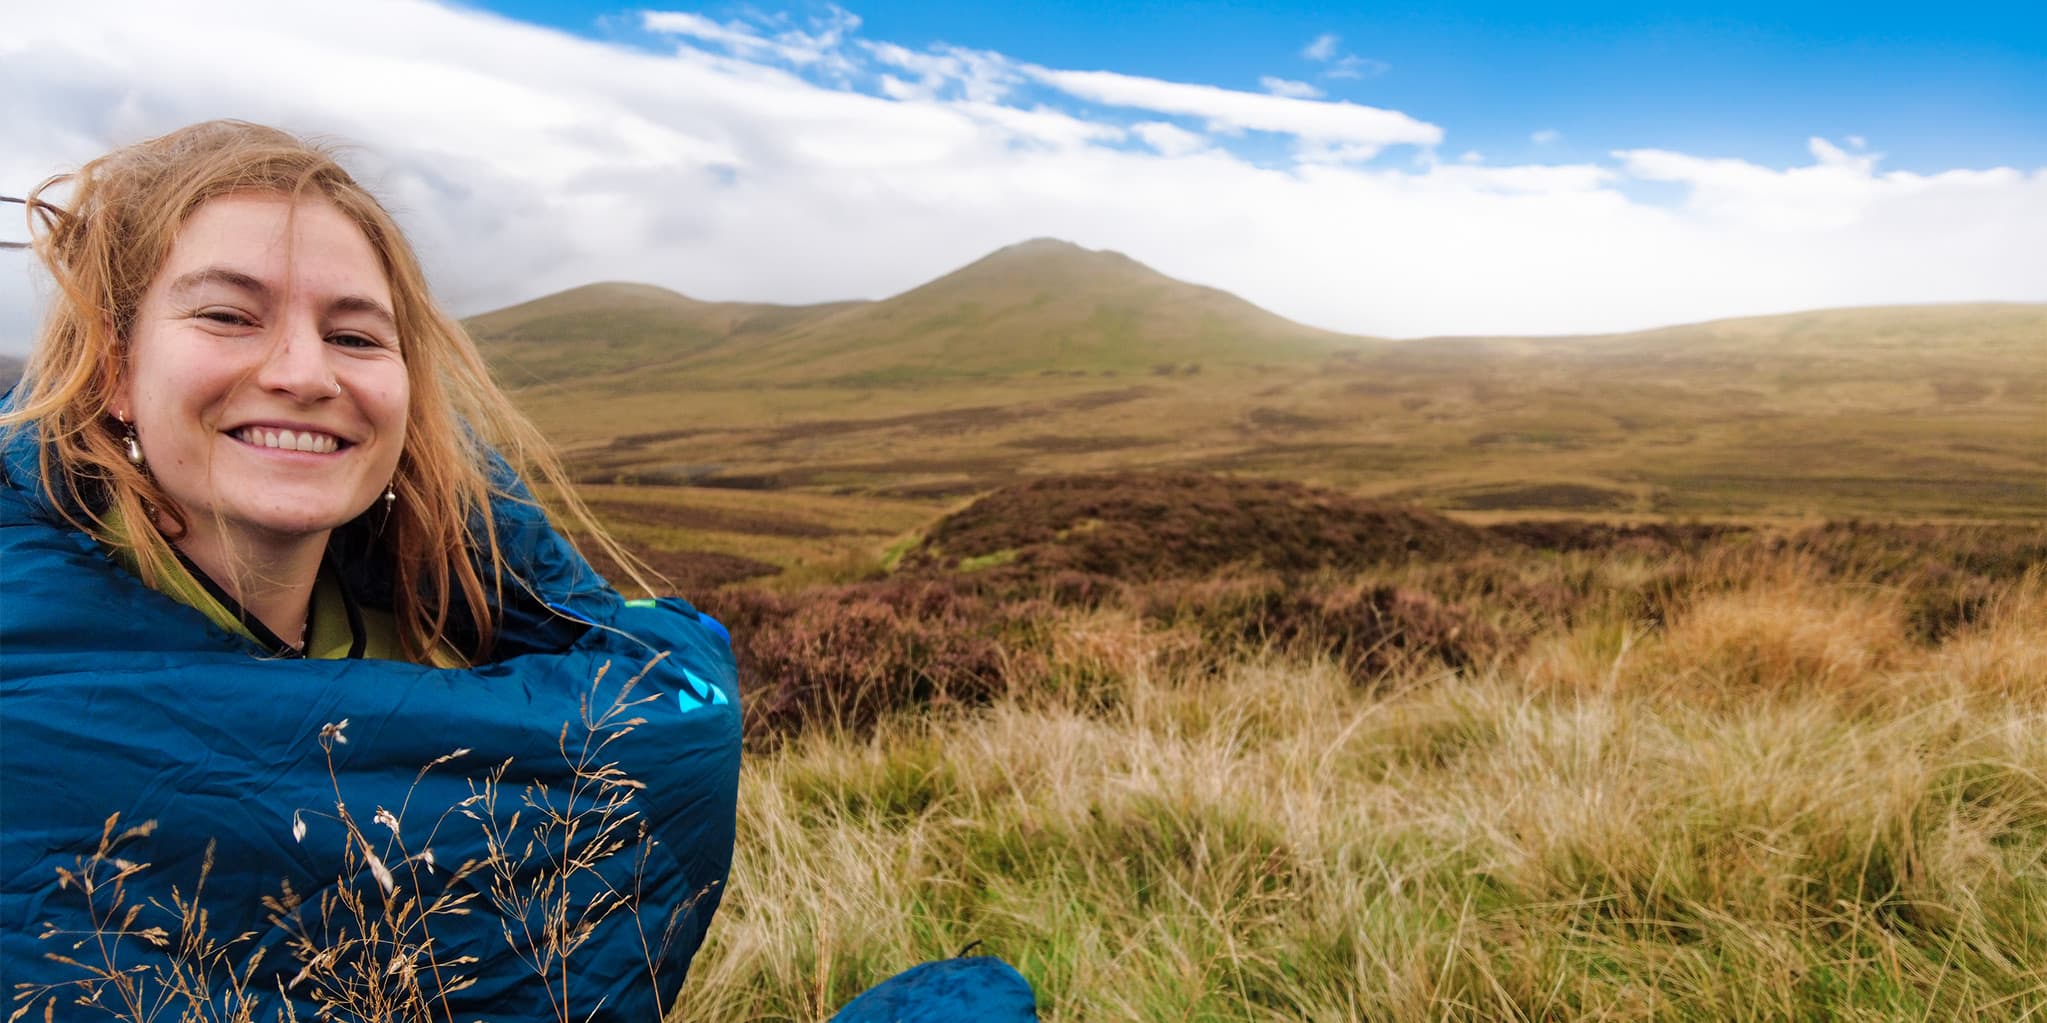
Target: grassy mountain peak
[1054,260]
[1041,272]
[1046,306]
[1039,307]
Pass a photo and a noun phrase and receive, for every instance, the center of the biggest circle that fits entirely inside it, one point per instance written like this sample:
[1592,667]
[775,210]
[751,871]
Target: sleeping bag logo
[703,693]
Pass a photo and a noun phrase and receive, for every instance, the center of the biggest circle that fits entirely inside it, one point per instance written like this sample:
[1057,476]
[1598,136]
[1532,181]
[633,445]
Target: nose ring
[337,389]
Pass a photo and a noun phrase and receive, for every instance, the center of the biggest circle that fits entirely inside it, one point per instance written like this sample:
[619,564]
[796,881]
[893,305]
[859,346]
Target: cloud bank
[787,161]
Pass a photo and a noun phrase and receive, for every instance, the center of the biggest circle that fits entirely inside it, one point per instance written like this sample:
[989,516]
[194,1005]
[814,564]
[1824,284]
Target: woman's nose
[297,364]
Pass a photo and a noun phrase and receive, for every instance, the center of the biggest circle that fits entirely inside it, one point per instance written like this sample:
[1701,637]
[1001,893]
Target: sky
[1387,169]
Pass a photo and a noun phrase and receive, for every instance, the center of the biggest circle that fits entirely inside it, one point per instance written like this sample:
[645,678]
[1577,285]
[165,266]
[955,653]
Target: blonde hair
[105,247]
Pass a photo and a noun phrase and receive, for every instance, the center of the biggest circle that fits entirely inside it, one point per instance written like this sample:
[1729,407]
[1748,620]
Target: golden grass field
[1782,797]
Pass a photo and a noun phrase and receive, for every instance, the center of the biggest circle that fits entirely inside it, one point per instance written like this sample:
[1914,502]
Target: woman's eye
[354,341]
[225,317]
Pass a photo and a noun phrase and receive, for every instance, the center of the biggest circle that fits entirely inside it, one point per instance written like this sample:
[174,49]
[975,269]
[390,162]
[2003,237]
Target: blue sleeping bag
[970,989]
[116,700]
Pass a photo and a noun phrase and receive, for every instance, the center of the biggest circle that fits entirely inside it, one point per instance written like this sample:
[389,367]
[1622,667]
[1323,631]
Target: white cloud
[1336,123]
[1351,65]
[1169,139]
[1832,155]
[696,26]
[1837,191]
[896,88]
[1287,87]
[817,45]
[1041,124]
[1546,136]
[1472,156]
[523,161]
[1542,179]
[1323,50]
[977,75]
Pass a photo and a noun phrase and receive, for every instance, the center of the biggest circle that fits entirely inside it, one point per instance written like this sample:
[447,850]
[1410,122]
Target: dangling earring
[389,501]
[134,442]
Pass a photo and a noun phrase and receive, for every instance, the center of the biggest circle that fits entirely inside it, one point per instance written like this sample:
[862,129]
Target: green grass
[991,560]
[808,538]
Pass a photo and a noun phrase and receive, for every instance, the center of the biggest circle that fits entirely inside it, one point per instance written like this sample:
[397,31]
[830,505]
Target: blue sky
[1395,171]
[1931,87]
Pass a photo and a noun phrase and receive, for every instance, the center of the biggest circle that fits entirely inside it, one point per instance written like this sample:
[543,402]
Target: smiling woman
[223,290]
[267,392]
[255,486]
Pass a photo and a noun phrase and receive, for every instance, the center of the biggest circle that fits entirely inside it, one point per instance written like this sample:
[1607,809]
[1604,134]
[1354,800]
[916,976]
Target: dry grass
[1778,805]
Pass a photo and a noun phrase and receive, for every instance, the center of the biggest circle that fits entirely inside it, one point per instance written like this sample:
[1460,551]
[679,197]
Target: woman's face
[264,377]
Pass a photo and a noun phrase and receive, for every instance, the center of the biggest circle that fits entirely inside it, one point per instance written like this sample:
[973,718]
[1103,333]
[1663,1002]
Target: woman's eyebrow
[244,282]
[219,275]
[365,305]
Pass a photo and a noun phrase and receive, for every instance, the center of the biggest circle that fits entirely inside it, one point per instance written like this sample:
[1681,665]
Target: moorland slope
[1046,358]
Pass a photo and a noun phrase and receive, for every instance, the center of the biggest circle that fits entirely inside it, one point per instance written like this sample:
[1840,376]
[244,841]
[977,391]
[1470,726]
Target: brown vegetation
[686,571]
[1214,565]
[1136,526]
[1542,771]
[753,523]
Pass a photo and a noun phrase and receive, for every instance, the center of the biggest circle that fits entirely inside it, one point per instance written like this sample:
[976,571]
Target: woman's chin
[280,527]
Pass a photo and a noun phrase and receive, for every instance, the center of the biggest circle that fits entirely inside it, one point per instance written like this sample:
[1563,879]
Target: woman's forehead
[274,243]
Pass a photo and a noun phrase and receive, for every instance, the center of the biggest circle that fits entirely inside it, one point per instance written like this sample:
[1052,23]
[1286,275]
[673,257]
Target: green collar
[334,622]
[337,628]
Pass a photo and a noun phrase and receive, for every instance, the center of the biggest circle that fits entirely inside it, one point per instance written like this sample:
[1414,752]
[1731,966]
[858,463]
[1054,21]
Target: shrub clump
[845,655]
[1142,526]
[1215,566]
[1368,630]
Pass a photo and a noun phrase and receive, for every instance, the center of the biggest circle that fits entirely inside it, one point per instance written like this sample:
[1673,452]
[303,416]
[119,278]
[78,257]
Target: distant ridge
[614,327]
[1042,306]
[1045,357]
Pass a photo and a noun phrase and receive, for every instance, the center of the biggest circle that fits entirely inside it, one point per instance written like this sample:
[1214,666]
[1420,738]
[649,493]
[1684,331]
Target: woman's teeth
[288,440]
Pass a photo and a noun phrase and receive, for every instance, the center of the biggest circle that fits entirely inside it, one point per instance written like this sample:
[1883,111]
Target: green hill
[1047,358]
[1042,306]
[602,329]
[1039,307]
